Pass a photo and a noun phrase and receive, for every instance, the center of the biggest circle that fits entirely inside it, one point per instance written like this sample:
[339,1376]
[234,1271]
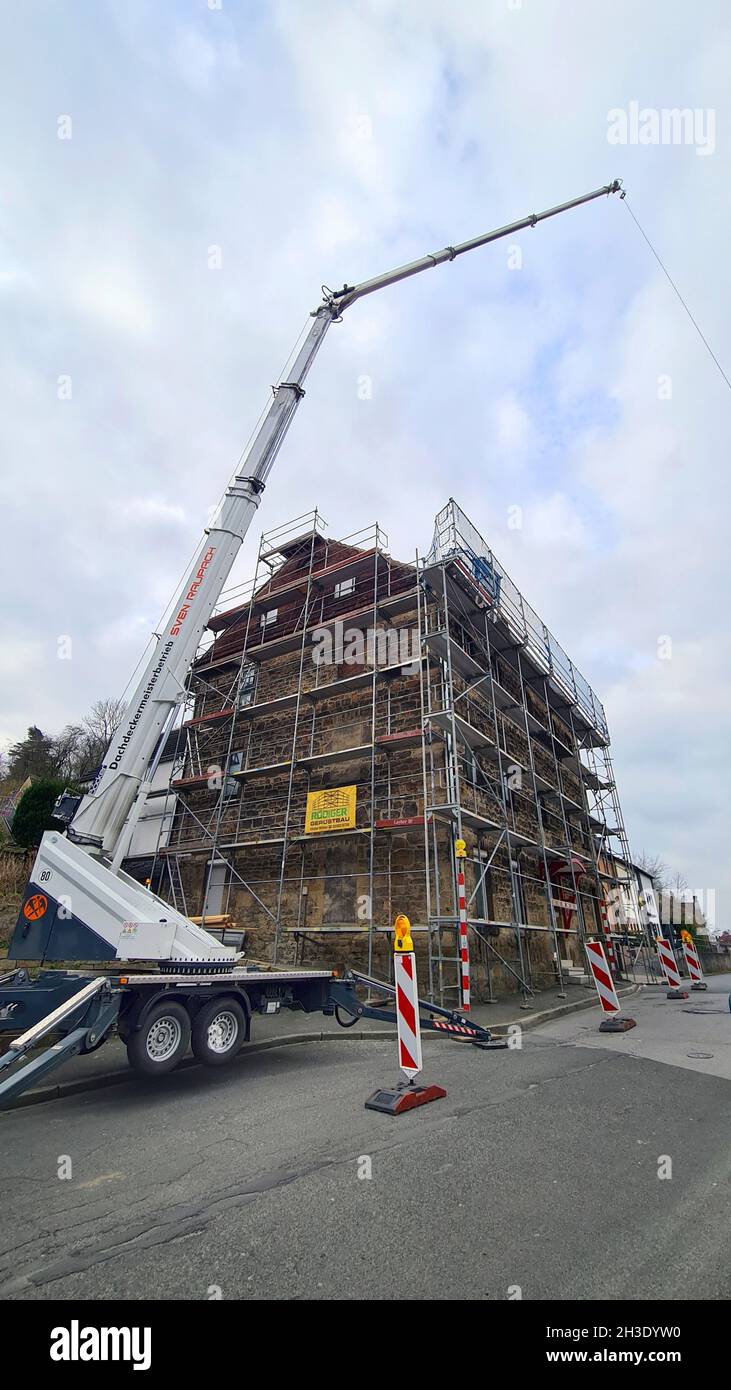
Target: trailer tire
[219,1032]
[162,1041]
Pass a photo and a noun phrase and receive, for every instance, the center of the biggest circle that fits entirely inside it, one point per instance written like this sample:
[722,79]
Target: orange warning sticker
[35,907]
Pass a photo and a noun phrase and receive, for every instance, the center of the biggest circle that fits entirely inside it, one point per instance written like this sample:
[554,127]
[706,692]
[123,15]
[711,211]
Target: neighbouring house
[9,803]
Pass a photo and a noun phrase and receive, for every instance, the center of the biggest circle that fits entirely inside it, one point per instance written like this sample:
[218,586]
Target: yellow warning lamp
[686,937]
[460,849]
[402,934]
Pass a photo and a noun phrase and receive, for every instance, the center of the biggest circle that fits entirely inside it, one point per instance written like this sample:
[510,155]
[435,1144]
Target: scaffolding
[263,726]
[527,776]
[437,692]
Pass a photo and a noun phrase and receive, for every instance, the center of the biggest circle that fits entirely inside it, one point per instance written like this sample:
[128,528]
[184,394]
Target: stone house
[352,718]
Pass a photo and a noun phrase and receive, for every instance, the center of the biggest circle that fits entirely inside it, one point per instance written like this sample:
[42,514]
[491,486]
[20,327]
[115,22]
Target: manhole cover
[703,1011]
[706,1056]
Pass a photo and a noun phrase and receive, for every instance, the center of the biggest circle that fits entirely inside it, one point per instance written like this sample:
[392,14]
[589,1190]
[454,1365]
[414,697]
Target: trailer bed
[82,1010]
[241,976]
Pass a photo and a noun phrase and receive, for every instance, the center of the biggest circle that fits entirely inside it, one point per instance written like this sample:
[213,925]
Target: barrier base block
[702,985]
[618,1024]
[397,1100]
[677,994]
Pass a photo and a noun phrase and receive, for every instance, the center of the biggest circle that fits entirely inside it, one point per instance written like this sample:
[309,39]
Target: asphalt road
[540,1169]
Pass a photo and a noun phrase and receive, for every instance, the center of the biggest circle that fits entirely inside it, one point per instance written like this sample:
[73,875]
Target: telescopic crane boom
[84,866]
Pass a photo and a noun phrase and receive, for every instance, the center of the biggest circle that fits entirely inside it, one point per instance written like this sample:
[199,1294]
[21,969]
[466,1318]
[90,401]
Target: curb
[124,1075]
[535,1020]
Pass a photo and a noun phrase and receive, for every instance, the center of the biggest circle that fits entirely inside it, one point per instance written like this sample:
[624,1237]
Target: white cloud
[14,280]
[194,57]
[109,293]
[19,658]
[334,225]
[512,425]
[554,523]
[153,511]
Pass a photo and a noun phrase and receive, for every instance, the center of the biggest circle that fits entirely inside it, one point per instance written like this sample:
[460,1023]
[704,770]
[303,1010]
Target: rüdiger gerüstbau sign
[333,809]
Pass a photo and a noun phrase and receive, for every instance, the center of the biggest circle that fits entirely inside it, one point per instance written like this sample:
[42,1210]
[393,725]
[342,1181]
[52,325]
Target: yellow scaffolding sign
[332,809]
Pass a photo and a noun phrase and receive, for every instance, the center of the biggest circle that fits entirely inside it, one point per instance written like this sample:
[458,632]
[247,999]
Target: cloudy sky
[317,141]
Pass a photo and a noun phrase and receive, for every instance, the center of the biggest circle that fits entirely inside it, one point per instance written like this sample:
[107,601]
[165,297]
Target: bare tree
[653,865]
[98,727]
[72,755]
[104,718]
[67,752]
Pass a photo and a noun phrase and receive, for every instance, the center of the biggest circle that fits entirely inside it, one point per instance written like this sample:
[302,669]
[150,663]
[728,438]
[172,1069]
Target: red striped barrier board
[669,968]
[614,1021]
[695,969]
[602,977]
[407,1015]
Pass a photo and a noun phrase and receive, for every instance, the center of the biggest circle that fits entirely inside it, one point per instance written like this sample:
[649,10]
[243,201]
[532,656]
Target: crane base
[398,1099]
[617,1025]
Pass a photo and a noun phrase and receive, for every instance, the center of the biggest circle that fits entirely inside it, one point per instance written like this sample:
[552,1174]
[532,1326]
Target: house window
[247,684]
[518,892]
[345,587]
[218,878]
[483,906]
[232,788]
[267,619]
[472,767]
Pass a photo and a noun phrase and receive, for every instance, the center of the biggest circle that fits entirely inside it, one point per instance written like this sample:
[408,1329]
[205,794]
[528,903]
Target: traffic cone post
[695,969]
[460,851]
[670,970]
[614,1020]
[407,1095]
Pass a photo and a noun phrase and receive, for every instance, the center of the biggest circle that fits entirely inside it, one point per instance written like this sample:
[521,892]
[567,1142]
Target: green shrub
[34,812]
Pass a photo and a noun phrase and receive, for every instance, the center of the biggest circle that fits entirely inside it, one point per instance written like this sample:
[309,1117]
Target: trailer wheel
[162,1041]
[219,1031]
